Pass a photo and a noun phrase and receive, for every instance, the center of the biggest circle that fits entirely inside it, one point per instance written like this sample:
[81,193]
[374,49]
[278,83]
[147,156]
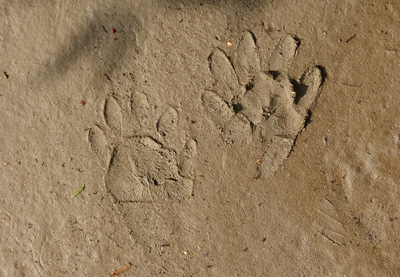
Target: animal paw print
[137,149]
[244,99]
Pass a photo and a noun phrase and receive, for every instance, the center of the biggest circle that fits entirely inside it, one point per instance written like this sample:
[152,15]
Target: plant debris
[78,191]
[121,269]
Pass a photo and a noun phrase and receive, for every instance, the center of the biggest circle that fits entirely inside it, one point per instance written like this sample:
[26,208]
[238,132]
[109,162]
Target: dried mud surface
[214,138]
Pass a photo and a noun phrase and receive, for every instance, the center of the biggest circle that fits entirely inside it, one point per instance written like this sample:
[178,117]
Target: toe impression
[113,114]
[217,108]
[308,93]
[275,154]
[221,67]
[140,108]
[97,140]
[248,60]
[187,159]
[283,54]
[167,122]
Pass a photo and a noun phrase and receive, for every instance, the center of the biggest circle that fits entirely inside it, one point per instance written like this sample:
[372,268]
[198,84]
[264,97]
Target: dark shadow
[301,89]
[106,38]
[237,107]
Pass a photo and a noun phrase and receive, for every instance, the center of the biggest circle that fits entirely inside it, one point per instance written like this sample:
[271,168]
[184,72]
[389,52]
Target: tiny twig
[121,269]
[346,84]
[348,40]
[108,78]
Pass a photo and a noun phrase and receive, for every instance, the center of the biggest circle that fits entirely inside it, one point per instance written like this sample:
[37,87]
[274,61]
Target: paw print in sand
[246,100]
[137,148]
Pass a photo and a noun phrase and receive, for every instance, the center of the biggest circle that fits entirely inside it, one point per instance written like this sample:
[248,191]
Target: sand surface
[214,138]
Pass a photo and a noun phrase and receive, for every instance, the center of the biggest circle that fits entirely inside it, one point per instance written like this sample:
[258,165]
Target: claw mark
[325,232]
[327,224]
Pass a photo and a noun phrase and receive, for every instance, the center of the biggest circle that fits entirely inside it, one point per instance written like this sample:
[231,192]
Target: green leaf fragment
[78,191]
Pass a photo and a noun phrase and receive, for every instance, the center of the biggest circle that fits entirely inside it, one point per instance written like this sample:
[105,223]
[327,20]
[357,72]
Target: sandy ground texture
[214,138]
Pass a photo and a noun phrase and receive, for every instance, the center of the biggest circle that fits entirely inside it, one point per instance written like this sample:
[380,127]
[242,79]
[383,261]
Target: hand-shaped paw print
[244,99]
[134,146]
